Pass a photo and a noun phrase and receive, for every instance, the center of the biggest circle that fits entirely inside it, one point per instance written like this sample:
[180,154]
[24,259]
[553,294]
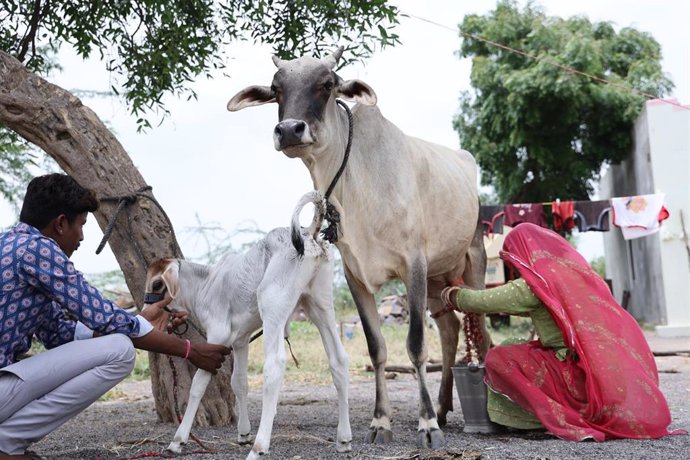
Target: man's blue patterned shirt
[38,285]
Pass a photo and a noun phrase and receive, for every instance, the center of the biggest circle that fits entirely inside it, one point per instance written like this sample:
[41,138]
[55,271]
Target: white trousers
[40,393]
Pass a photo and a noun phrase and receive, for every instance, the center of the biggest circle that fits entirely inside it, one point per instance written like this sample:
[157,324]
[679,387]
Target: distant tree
[152,48]
[538,131]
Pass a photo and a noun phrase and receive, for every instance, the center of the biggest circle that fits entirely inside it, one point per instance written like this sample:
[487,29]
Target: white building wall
[655,270]
[669,140]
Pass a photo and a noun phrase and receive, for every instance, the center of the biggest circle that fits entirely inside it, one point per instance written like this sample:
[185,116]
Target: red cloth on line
[563,215]
[525,212]
[610,387]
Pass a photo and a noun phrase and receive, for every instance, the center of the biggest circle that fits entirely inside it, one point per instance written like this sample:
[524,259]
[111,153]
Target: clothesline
[638,215]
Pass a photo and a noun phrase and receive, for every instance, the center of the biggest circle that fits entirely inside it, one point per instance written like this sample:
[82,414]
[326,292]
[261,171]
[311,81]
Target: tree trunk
[71,133]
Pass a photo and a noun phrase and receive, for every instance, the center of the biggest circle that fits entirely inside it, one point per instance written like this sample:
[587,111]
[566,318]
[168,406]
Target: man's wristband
[189,348]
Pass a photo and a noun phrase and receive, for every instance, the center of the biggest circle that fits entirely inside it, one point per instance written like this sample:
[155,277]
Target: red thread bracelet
[189,348]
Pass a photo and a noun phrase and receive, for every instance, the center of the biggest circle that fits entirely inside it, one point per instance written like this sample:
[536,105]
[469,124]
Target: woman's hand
[449,296]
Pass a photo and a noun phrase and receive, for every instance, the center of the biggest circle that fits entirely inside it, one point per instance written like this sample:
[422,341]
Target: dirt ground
[304,428]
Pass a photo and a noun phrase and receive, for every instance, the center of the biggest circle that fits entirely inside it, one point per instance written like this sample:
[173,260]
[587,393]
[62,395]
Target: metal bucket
[472,392]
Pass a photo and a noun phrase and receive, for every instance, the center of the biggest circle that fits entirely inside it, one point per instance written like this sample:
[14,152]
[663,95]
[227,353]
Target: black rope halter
[330,233]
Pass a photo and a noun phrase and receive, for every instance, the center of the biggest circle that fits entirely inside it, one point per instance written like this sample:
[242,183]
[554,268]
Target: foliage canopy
[538,131]
[158,47]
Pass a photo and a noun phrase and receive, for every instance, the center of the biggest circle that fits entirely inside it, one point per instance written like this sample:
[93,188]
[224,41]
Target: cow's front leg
[429,434]
[380,429]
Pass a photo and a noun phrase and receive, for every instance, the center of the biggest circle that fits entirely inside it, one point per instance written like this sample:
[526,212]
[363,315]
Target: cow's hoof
[379,435]
[245,438]
[343,446]
[175,447]
[431,438]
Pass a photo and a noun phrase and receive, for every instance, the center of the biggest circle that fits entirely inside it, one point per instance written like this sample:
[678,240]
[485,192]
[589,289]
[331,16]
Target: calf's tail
[316,198]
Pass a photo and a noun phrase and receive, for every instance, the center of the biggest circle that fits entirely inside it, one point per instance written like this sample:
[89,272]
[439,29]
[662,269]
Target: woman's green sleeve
[514,297]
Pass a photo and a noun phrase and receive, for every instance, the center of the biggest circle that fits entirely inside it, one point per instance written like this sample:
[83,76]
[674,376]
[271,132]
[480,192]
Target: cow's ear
[357,91]
[251,96]
[171,278]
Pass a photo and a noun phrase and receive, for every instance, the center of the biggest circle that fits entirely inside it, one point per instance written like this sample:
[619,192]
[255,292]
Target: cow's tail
[319,202]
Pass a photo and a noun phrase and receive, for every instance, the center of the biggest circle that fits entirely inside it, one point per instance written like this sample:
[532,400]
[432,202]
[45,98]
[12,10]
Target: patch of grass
[112,394]
[313,362]
[141,367]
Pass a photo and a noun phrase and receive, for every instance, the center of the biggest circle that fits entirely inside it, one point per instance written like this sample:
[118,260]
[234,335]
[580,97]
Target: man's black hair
[53,194]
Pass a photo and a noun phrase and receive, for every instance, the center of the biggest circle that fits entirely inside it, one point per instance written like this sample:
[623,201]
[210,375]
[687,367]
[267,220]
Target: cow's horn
[332,59]
[277,61]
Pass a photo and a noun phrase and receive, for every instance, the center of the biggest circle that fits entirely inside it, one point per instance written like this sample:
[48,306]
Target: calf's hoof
[254,455]
[379,435]
[431,438]
[245,438]
[175,447]
[343,446]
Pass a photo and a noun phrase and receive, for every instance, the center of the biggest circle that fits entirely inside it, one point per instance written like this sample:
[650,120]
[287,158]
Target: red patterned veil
[608,387]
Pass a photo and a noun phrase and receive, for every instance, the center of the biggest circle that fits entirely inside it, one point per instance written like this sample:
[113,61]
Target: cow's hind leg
[380,428]
[473,276]
[429,434]
[449,332]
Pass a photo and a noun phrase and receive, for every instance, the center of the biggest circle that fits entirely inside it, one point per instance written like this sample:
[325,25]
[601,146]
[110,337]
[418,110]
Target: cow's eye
[328,85]
[274,90]
[157,285]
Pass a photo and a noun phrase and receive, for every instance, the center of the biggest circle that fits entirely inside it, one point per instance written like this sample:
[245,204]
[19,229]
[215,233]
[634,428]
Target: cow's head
[305,90]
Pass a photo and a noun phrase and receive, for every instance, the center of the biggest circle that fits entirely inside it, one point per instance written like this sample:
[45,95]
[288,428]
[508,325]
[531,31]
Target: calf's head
[162,280]
[305,90]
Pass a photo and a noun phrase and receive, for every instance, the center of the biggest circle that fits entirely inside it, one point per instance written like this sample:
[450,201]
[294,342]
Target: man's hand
[208,356]
[162,319]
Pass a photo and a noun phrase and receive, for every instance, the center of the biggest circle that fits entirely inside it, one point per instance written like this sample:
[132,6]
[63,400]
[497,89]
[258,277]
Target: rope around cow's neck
[330,233]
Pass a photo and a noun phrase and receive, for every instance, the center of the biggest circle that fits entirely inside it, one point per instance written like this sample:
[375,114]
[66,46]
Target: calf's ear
[356,91]
[251,96]
[171,278]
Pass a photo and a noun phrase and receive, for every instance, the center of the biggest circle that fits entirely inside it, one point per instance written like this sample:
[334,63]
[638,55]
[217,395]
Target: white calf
[263,286]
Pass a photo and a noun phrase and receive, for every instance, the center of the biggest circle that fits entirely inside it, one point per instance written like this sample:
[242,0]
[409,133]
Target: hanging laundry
[525,212]
[639,215]
[563,215]
[592,215]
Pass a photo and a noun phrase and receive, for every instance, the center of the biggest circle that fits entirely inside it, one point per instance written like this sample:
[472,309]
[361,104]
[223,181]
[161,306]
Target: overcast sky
[221,168]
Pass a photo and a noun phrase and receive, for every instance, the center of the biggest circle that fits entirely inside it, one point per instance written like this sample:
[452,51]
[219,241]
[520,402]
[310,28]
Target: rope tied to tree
[330,233]
[123,202]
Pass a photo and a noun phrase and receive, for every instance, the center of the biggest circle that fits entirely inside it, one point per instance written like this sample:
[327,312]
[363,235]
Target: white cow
[408,210]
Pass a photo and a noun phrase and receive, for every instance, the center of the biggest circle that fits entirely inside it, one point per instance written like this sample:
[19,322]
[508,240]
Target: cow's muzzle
[291,133]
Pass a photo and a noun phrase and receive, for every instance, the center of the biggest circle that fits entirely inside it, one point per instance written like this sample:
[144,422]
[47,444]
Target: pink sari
[609,388]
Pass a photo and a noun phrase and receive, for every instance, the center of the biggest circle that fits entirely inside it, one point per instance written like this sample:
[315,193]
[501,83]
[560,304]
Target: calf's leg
[276,303]
[241,388]
[196,392]
[320,309]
